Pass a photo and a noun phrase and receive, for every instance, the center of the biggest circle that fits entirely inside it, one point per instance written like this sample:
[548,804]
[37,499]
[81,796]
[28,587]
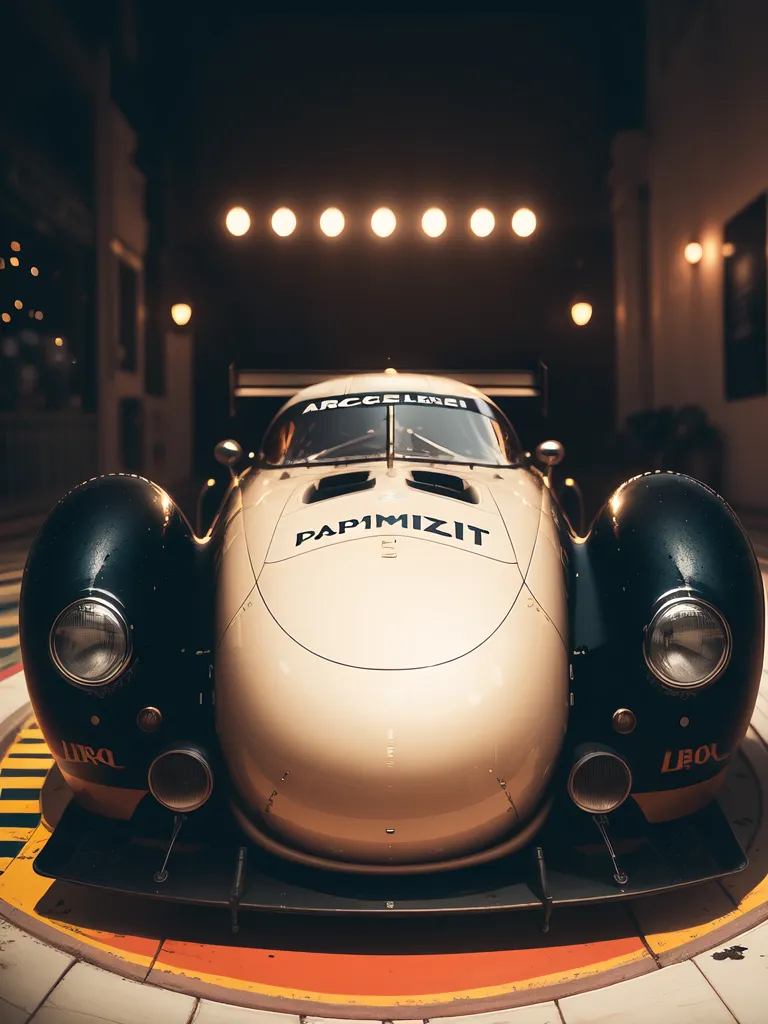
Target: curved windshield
[426,428]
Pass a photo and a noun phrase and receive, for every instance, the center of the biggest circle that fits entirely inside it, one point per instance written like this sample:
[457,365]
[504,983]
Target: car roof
[387,382]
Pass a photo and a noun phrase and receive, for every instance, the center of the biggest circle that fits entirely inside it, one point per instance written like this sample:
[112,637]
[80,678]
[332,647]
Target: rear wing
[531,383]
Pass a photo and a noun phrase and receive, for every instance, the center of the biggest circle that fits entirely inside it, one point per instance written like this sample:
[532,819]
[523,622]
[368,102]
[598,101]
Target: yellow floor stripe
[19,806]
[27,763]
[22,781]
[15,835]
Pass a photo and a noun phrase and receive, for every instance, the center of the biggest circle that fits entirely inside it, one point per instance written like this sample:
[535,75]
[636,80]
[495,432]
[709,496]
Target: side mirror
[228,453]
[550,453]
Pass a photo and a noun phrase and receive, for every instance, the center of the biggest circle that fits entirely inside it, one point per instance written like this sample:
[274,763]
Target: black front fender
[662,535]
[121,538]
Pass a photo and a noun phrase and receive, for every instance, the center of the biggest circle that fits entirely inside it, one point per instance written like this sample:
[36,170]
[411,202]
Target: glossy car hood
[391,578]
[390,602]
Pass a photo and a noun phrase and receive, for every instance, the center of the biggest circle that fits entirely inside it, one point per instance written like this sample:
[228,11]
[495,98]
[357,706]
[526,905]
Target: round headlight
[90,642]
[688,643]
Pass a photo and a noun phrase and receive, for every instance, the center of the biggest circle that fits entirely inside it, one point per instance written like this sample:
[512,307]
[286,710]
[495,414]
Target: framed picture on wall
[745,307]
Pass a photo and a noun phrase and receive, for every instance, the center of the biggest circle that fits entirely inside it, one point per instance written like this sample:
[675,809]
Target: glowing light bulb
[581,312]
[6,318]
[15,246]
[238,221]
[181,313]
[18,304]
[524,222]
[482,223]
[34,271]
[38,315]
[693,252]
[14,261]
[58,342]
[383,222]
[332,222]
[434,222]
[283,222]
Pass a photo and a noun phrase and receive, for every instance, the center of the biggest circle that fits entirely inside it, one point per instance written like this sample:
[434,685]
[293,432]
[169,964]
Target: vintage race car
[391,677]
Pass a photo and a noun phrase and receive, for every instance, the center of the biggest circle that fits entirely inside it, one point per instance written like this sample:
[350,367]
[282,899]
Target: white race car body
[390,655]
[391,664]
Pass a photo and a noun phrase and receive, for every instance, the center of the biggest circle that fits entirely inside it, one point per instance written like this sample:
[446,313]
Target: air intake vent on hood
[445,484]
[338,484]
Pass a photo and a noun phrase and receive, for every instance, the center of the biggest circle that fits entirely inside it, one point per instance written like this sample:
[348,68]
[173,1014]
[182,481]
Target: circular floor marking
[359,967]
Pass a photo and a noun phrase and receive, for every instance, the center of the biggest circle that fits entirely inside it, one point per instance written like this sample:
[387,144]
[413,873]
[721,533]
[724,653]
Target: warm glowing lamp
[383,222]
[238,221]
[332,222]
[181,312]
[524,222]
[693,252]
[581,313]
[434,222]
[482,222]
[283,222]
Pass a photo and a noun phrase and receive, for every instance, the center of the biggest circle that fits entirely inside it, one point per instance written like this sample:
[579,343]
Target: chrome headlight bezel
[725,658]
[91,684]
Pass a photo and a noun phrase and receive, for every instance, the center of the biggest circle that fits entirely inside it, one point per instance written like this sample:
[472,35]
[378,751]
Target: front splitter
[92,851]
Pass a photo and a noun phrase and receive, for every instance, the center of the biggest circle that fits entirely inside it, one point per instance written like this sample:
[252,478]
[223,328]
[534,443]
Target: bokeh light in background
[693,252]
[283,222]
[482,222]
[332,222]
[434,222]
[524,222]
[181,313]
[581,313]
[383,222]
[238,221]
[15,246]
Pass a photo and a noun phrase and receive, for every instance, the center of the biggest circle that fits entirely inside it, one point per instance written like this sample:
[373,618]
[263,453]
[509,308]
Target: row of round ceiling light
[383,222]
[181,313]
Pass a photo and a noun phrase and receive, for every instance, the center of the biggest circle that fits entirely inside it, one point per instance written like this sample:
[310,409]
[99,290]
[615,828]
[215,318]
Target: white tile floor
[539,1013]
[701,991]
[13,695]
[671,995]
[29,969]
[219,1013]
[87,995]
[742,984]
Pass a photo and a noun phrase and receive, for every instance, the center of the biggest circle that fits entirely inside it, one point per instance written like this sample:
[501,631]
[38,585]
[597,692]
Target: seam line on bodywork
[547,616]
[235,614]
[527,571]
[536,542]
[501,517]
[420,668]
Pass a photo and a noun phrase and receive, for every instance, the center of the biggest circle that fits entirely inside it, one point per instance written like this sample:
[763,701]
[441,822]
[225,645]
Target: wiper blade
[434,444]
[338,447]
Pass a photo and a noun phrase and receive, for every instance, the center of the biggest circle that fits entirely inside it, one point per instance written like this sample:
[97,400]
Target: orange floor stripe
[334,977]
